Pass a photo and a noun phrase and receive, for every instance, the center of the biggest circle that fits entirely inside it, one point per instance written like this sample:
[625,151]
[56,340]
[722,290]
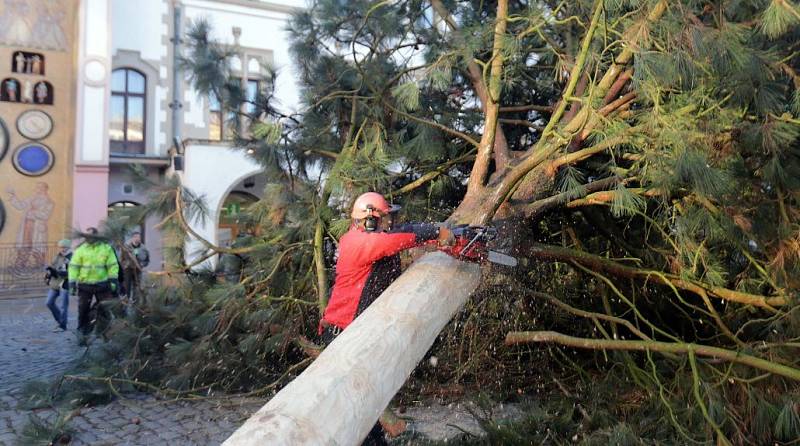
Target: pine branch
[526,337]
[575,73]
[549,143]
[319,265]
[537,208]
[594,262]
[522,122]
[576,105]
[435,125]
[606,197]
[580,155]
[524,108]
[617,86]
[591,315]
[480,169]
[501,151]
[188,229]
[620,104]
[546,145]
[630,40]
[430,176]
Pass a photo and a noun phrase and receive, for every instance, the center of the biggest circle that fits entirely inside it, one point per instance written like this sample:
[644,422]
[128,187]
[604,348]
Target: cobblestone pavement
[31,350]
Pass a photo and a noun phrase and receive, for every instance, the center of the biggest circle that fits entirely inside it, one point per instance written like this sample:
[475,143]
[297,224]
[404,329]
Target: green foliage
[572,183]
[268,131]
[787,426]
[407,95]
[779,18]
[707,150]
[626,203]
[43,433]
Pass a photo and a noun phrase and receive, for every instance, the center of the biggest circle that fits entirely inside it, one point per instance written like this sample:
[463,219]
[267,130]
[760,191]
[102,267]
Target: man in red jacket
[369,259]
[368,263]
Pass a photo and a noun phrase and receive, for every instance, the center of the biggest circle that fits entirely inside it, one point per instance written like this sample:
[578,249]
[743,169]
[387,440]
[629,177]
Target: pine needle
[779,17]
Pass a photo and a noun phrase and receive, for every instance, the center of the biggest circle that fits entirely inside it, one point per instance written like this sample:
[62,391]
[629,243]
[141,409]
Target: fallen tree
[642,155]
[339,397]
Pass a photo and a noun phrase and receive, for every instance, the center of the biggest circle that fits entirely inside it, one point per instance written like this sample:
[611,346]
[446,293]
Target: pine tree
[642,157]
[649,130]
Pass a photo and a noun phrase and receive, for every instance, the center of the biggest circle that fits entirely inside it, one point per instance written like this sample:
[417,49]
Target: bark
[539,207]
[339,397]
[501,152]
[531,107]
[319,265]
[480,169]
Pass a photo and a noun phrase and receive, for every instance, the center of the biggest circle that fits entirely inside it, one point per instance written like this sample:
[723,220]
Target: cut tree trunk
[338,399]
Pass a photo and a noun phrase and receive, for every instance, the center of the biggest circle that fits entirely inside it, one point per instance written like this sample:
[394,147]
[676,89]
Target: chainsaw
[470,245]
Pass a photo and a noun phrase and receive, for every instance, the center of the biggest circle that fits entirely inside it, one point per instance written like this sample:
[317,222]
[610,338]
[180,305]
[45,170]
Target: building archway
[230,223]
[122,206]
[213,172]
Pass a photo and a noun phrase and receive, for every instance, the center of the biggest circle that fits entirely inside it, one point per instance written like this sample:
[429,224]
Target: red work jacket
[368,263]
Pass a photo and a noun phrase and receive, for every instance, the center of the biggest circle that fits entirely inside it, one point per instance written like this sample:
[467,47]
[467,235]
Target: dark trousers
[89,312]
[376,436]
[131,283]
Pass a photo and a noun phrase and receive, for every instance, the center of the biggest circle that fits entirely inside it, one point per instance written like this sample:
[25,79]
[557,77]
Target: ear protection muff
[371,222]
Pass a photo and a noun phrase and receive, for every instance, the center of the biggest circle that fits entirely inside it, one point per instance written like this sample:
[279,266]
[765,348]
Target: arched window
[128,101]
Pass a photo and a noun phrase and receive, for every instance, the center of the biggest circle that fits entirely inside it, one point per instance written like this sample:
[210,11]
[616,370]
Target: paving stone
[30,351]
[8,439]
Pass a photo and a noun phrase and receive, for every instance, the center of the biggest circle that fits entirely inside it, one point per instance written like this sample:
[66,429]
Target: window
[222,125]
[251,95]
[126,124]
[215,122]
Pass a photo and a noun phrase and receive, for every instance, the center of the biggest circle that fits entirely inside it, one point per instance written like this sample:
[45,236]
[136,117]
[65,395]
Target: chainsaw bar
[501,259]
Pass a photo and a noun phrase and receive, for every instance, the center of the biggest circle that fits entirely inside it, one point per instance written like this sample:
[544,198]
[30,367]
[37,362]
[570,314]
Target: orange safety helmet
[372,204]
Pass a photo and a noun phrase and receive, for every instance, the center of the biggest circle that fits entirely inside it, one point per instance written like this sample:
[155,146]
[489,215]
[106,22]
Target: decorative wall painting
[27,63]
[34,124]
[36,210]
[33,159]
[4,139]
[40,24]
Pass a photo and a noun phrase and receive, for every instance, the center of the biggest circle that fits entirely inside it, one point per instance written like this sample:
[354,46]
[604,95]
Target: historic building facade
[38,73]
[91,87]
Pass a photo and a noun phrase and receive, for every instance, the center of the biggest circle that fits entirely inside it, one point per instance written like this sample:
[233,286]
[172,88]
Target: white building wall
[212,171]
[263,29]
[138,26]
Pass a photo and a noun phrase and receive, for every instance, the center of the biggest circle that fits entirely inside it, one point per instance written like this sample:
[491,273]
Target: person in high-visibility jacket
[93,274]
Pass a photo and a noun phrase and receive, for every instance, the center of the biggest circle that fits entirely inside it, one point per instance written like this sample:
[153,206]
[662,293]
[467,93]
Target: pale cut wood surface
[338,399]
